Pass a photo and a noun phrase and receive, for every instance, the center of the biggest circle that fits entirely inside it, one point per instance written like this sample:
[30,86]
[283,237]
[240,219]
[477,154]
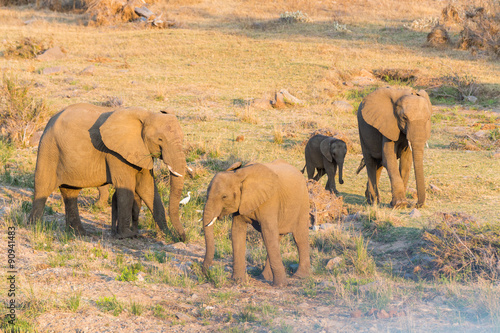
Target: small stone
[332,263]
[262,103]
[315,227]
[54,53]
[472,99]
[279,101]
[184,317]
[415,213]
[89,70]
[326,226]
[140,277]
[382,314]
[52,70]
[342,106]
[434,188]
[356,314]
[240,138]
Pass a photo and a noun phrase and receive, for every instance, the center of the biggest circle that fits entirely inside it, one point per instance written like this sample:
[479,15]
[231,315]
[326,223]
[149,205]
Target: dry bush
[107,12]
[463,248]
[396,74]
[481,29]
[323,205]
[27,48]
[438,37]
[21,114]
[486,138]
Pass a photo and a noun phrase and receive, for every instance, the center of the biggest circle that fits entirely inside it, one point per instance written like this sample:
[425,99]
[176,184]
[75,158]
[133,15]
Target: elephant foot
[280,282]
[127,233]
[267,274]
[419,205]
[239,279]
[183,237]
[301,273]
[78,230]
[399,203]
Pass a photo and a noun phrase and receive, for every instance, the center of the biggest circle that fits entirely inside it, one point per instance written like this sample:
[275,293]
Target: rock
[144,12]
[415,213]
[279,101]
[184,317]
[434,188]
[290,99]
[471,99]
[52,70]
[342,106]
[54,53]
[89,70]
[382,314]
[332,263]
[262,103]
[240,138]
[140,277]
[326,226]
[315,227]
[35,139]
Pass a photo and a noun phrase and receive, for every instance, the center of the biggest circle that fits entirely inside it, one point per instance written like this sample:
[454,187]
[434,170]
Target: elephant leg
[310,170]
[330,185]
[114,216]
[73,222]
[389,160]
[267,273]
[271,240]
[147,192]
[238,237]
[43,188]
[103,195]
[301,238]
[320,174]
[405,164]
[124,205]
[136,210]
[373,170]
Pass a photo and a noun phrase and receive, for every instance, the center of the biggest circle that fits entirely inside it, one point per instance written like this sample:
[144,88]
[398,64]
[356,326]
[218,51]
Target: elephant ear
[234,166]
[324,146]
[423,93]
[258,185]
[377,110]
[122,133]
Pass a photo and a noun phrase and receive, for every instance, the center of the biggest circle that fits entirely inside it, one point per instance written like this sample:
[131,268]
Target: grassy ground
[220,56]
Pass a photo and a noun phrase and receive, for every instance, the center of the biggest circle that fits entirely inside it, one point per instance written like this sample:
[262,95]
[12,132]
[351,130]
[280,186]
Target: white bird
[186,199]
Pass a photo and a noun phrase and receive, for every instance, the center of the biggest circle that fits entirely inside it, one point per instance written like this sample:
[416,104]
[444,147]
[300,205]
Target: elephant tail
[303,168]
[361,166]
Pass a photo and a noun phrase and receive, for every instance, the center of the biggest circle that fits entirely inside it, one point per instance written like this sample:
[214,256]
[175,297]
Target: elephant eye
[160,139]
[224,196]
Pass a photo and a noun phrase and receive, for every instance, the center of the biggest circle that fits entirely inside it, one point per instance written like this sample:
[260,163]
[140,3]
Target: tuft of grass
[27,48]
[217,276]
[129,273]
[157,256]
[136,308]
[110,304]
[73,302]
[277,134]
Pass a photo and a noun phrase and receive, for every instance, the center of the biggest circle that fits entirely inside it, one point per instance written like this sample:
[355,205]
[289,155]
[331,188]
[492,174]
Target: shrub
[462,248]
[21,114]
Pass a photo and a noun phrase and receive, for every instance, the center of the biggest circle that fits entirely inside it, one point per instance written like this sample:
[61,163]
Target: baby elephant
[273,198]
[325,154]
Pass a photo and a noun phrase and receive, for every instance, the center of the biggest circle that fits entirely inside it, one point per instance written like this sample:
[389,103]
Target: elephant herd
[90,146]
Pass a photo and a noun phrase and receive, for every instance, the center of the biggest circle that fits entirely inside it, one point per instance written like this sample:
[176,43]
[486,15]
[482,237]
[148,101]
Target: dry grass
[324,206]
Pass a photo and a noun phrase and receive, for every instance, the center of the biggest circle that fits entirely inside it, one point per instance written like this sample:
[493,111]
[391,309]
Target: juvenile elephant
[89,146]
[324,154]
[273,198]
[394,124]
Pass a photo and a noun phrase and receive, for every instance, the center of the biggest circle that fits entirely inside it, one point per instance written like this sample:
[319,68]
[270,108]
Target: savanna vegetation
[217,67]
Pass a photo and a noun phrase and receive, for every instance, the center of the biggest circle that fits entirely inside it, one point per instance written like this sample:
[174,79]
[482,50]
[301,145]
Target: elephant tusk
[173,172]
[427,144]
[211,222]
[409,145]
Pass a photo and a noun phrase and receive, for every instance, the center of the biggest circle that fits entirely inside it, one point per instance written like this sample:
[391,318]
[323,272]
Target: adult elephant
[394,124]
[273,198]
[89,146]
[325,154]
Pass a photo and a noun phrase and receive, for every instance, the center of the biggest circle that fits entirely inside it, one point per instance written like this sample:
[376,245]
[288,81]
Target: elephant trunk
[177,167]
[341,171]
[418,164]
[209,216]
